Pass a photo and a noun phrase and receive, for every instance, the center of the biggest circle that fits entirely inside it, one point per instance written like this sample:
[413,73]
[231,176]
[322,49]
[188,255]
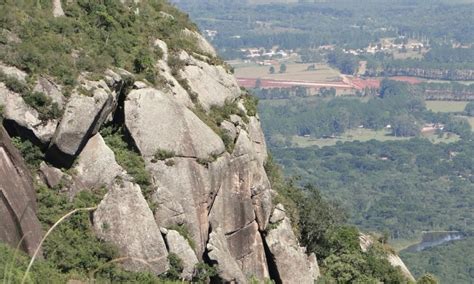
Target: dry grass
[446,106]
[295,71]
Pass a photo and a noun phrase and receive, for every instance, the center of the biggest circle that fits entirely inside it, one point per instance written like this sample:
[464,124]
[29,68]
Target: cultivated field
[446,106]
[363,135]
[295,71]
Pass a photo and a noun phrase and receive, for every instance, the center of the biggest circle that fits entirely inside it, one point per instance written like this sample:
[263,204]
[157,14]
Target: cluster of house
[258,53]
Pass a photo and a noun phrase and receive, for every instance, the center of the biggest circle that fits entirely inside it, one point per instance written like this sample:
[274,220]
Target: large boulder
[96,165]
[51,89]
[178,245]
[201,42]
[24,120]
[156,122]
[13,72]
[213,84]
[218,250]
[258,139]
[18,221]
[291,262]
[124,219]
[82,118]
[185,192]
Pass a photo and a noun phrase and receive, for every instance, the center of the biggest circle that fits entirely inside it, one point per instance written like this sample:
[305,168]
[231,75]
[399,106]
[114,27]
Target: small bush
[43,104]
[162,154]
[204,271]
[31,153]
[128,158]
[176,267]
[13,84]
[251,104]
[2,111]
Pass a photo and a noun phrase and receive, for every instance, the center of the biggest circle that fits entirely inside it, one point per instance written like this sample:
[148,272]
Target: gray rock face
[178,245]
[293,265]
[202,43]
[212,83]
[13,72]
[57,9]
[51,176]
[17,199]
[24,119]
[218,251]
[82,118]
[258,139]
[157,122]
[184,194]
[124,219]
[52,90]
[96,165]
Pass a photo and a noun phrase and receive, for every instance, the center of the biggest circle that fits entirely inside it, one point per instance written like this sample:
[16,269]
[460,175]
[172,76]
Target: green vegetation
[2,112]
[217,115]
[31,153]
[250,104]
[468,110]
[402,186]
[204,271]
[446,106]
[162,155]
[128,158]
[13,265]
[397,106]
[322,228]
[92,37]
[450,262]
[176,267]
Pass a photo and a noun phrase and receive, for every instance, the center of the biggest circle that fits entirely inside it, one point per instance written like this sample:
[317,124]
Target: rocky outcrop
[19,225]
[124,219]
[201,42]
[366,241]
[218,251]
[82,118]
[178,245]
[23,120]
[96,166]
[213,84]
[51,89]
[291,262]
[156,122]
[57,9]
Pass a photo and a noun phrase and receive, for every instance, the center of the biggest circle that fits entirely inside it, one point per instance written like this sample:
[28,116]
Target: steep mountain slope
[124,108]
[198,190]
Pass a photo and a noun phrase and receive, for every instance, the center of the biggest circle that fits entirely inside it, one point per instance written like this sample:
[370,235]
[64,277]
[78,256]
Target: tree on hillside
[405,126]
[272,70]
[283,68]
[258,83]
[469,110]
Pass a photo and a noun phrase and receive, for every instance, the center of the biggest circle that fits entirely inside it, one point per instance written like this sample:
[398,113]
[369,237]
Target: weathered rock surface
[202,43]
[23,119]
[212,83]
[82,118]
[178,245]
[51,176]
[156,122]
[185,193]
[57,9]
[96,165]
[218,251]
[291,261]
[13,72]
[17,199]
[51,89]
[124,219]
[258,139]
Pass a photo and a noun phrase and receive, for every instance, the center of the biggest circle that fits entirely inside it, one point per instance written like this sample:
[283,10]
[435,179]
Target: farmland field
[295,71]
[446,106]
[363,135]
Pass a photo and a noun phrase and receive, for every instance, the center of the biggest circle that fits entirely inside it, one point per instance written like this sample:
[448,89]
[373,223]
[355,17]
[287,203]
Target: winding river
[433,239]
